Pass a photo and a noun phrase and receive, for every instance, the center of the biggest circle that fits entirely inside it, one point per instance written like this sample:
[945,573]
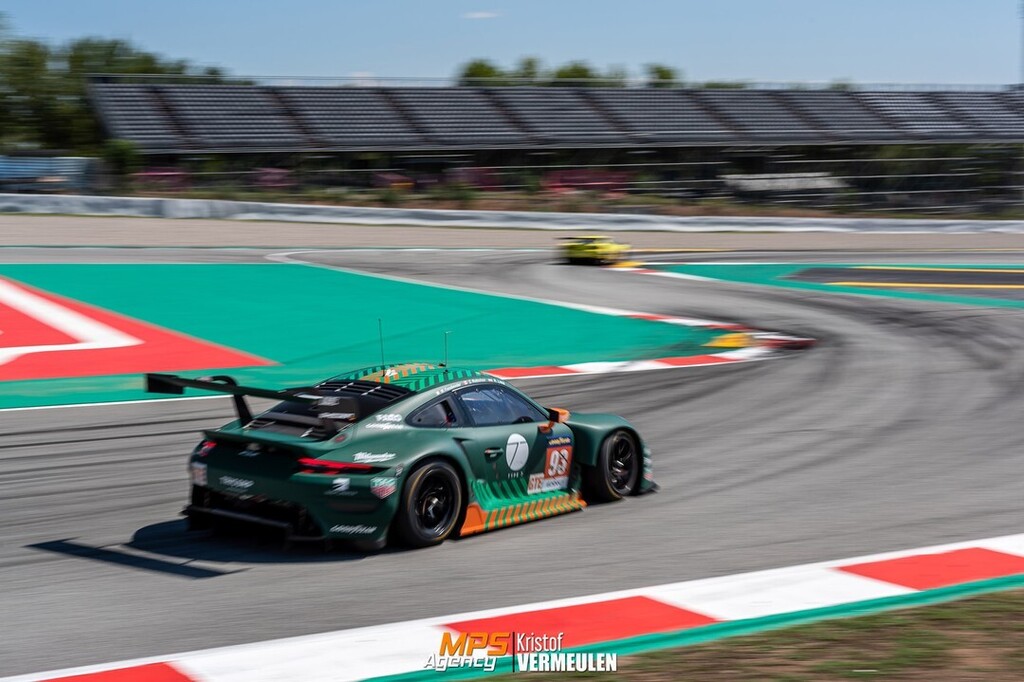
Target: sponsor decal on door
[557,462]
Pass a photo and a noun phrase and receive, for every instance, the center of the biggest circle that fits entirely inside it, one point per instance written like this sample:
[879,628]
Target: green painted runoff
[315,322]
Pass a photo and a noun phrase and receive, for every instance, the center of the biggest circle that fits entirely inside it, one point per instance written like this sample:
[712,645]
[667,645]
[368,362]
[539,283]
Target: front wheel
[617,472]
[430,506]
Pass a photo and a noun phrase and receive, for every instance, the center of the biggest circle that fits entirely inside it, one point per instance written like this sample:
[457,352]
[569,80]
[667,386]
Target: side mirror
[557,414]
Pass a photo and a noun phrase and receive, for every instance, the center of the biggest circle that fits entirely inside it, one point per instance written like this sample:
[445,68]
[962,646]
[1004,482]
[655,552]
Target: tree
[122,157]
[481,72]
[574,74]
[615,77]
[44,89]
[577,73]
[31,104]
[724,85]
[528,71]
[661,76]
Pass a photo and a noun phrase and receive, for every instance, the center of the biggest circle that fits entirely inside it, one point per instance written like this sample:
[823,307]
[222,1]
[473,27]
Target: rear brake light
[205,447]
[308,465]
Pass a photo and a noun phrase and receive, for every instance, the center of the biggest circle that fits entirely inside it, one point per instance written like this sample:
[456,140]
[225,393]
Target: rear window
[438,415]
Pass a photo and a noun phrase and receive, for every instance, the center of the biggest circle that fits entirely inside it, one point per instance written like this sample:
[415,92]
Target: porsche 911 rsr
[413,452]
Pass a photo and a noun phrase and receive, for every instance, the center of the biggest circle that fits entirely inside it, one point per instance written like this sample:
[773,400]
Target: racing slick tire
[431,505]
[617,472]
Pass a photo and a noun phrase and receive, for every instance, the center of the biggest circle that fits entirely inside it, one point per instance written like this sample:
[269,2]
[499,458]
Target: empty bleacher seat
[916,113]
[841,114]
[760,115]
[132,112]
[989,112]
[458,116]
[661,115]
[558,115]
[225,116]
[349,117]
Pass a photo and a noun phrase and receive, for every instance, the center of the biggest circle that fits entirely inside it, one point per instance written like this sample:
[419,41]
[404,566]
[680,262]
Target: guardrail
[354,215]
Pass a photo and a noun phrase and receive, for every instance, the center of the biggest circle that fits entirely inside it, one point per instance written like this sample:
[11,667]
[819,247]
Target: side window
[436,415]
[497,405]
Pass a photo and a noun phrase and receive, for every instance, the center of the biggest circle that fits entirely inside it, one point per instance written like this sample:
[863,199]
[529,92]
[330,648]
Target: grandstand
[176,119]
[876,148]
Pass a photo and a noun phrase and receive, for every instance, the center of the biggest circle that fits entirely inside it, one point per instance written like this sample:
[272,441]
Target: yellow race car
[593,249]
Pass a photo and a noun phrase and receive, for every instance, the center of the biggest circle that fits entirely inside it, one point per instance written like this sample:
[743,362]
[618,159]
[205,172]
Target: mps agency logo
[517,652]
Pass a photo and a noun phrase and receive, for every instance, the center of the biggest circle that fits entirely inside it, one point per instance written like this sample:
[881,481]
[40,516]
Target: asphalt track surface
[901,429]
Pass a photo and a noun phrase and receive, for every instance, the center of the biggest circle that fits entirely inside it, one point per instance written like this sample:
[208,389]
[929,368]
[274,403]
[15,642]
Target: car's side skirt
[480,519]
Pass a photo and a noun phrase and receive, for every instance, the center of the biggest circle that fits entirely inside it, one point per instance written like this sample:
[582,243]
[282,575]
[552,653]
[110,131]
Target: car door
[513,447]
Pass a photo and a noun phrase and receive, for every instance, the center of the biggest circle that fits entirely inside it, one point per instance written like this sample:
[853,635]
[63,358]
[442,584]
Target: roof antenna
[380,333]
[445,363]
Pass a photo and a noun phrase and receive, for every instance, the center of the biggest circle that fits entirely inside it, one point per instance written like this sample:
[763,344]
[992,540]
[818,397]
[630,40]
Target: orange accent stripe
[475,521]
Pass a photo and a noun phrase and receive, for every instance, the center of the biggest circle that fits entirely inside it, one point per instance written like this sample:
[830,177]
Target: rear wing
[328,408]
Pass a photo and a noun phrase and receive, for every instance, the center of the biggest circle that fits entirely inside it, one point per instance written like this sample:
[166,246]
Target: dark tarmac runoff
[994,282]
[901,428]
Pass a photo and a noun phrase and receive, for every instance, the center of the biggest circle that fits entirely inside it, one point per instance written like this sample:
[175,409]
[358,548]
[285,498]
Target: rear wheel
[430,506]
[617,472]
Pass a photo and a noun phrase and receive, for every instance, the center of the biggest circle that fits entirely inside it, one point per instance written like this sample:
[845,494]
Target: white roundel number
[516,452]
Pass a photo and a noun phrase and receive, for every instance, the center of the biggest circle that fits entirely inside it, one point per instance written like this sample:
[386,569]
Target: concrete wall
[249,210]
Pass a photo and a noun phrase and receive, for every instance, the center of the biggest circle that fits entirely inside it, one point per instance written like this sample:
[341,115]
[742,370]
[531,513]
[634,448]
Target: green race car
[413,452]
[593,249]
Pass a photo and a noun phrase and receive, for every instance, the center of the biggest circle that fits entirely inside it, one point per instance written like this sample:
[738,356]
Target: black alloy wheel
[431,504]
[617,473]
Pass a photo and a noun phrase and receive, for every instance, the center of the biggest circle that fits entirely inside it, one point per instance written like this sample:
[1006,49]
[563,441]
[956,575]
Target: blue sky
[909,41]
